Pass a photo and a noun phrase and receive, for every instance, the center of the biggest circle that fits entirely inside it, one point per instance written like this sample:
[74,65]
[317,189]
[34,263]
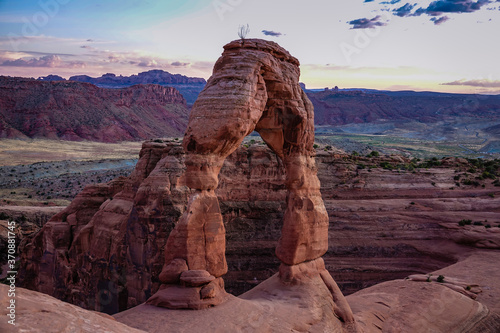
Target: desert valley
[396,206]
[339,172]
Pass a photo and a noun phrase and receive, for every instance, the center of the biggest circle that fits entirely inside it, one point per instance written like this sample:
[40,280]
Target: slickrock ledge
[35,312]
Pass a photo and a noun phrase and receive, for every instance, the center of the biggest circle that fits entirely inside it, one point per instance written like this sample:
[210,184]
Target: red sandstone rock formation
[39,313]
[81,111]
[254,87]
[386,225]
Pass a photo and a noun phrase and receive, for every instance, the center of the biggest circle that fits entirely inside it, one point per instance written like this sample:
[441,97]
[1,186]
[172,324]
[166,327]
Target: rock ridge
[81,111]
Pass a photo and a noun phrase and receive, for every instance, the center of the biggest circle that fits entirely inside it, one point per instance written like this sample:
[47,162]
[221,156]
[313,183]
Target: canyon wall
[81,111]
[105,250]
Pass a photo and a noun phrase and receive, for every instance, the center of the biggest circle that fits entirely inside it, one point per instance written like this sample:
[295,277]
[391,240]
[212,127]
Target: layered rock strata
[387,224]
[77,111]
[254,87]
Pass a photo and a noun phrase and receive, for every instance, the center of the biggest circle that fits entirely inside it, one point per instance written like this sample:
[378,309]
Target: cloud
[419,12]
[364,23]
[437,8]
[179,64]
[271,33]
[404,10]
[368,0]
[114,59]
[441,20]
[474,83]
[147,62]
[49,61]
[46,61]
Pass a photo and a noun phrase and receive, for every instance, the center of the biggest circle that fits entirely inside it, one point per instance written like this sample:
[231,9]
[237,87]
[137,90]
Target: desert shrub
[471,182]
[4,216]
[354,153]
[488,226]
[478,223]
[315,146]
[433,162]
[328,147]
[386,165]
[491,195]
[374,153]
[243,31]
[252,142]
[440,278]
[457,177]
[410,167]
[465,222]
[412,203]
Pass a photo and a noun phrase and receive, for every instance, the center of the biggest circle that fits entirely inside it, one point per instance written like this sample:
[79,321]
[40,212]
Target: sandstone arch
[254,86]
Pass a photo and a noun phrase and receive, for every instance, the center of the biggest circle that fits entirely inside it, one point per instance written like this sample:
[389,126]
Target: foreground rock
[409,306]
[394,306]
[39,313]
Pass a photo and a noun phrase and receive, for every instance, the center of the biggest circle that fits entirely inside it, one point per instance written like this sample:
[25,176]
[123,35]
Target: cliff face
[81,111]
[105,250]
[355,107]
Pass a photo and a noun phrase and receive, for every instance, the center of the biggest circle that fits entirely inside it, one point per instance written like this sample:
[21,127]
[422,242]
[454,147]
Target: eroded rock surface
[77,111]
[254,87]
[39,313]
[379,234]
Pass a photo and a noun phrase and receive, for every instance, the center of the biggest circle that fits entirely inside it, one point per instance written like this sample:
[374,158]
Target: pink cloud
[45,61]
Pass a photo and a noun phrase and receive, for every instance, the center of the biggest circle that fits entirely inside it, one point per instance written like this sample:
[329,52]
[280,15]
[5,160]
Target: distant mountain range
[76,111]
[357,107]
[189,87]
[416,115]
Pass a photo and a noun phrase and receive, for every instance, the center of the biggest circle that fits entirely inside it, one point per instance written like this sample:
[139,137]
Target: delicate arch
[254,86]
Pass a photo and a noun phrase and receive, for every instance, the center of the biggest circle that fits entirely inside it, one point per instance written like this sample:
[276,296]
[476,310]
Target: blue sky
[444,45]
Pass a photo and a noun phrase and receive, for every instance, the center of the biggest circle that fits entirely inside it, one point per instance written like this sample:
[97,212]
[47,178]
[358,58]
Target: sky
[444,45]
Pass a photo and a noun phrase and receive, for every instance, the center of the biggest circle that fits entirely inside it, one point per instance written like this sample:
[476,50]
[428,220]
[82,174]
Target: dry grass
[16,152]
